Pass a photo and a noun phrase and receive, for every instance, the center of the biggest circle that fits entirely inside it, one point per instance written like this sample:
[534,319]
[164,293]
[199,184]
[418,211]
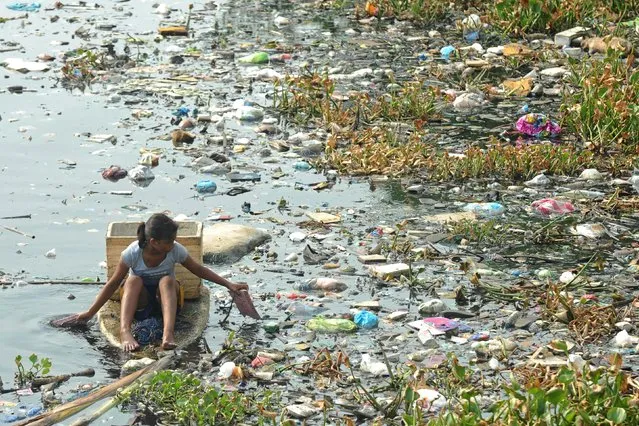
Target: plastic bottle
[304,310]
[331,325]
[485,209]
[248,113]
[206,187]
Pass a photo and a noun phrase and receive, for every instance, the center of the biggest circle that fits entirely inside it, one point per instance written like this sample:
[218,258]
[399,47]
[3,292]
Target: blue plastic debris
[471,36]
[182,112]
[206,187]
[366,319]
[24,6]
[485,209]
[446,51]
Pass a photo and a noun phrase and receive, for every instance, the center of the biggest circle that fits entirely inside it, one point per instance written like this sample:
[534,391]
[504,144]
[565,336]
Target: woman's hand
[235,287]
[75,319]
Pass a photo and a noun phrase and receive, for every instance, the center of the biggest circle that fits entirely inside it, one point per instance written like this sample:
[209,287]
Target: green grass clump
[603,108]
[527,16]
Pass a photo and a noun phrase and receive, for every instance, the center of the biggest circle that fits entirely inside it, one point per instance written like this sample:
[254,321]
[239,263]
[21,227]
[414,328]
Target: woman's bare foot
[129,344]
[168,343]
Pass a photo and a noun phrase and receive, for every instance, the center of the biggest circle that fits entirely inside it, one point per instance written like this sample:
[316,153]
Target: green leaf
[566,376]
[410,395]
[45,371]
[18,359]
[560,345]
[556,395]
[33,358]
[617,415]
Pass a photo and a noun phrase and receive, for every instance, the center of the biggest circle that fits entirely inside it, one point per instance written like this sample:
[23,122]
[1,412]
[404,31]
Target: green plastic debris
[271,327]
[255,58]
[331,325]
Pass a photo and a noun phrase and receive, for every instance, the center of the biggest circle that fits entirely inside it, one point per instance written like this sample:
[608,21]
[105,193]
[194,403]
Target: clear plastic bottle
[304,310]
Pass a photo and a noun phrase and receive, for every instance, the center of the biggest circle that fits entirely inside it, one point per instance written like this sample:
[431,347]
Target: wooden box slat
[121,234]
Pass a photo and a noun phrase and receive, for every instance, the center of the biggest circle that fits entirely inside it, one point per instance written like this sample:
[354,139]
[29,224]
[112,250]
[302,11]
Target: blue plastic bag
[446,51]
[366,319]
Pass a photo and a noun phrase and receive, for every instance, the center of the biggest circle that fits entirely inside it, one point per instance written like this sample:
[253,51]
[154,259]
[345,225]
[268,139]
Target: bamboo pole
[69,409]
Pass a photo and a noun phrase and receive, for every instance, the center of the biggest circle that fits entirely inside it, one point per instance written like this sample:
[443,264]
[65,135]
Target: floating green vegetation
[38,367]
[183,398]
[537,396]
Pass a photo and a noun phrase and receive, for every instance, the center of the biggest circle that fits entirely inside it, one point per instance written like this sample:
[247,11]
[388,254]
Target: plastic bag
[550,206]
[24,6]
[141,173]
[255,58]
[537,125]
[331,325]
[366,319]
[376,368]
[485,209]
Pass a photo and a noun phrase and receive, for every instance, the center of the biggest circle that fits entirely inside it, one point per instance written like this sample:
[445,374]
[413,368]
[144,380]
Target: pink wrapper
[534,124]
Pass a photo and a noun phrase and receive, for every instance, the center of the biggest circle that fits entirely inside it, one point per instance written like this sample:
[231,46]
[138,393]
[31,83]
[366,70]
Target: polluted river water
[50,170]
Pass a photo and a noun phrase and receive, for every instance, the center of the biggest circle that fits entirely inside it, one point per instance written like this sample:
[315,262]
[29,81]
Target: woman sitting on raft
[150,263]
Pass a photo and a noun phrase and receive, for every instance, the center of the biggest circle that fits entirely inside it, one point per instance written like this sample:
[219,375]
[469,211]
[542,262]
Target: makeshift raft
[191,320]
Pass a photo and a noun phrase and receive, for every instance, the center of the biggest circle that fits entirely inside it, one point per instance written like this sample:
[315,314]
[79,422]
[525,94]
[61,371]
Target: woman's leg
[168,299]
[132,288]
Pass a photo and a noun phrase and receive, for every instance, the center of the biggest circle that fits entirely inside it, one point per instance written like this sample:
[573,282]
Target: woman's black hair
[159,226]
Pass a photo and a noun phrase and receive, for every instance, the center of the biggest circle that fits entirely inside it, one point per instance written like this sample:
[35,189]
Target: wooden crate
[121,234]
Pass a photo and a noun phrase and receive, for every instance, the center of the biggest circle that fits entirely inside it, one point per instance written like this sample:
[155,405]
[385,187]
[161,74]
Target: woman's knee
[133,282]
[168,283]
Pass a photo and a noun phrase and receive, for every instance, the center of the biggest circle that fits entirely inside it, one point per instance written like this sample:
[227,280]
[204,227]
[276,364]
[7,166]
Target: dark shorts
[153,307]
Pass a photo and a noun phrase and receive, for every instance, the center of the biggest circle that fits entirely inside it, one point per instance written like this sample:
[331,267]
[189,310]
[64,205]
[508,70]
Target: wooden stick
[188,19]
[41,381]
[86,420]
[17,232]
[64,411]
[22,216]
[64,282]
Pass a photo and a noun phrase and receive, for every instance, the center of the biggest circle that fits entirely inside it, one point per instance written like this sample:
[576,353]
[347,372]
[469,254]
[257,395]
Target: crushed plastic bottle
[485,209]
[304,310]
